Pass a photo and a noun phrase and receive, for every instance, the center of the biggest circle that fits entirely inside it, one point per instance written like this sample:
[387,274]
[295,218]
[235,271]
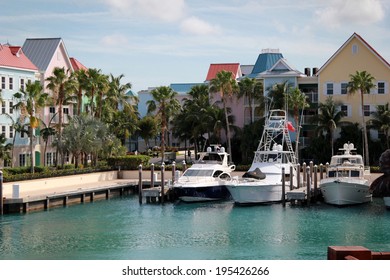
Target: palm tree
[296,101]
[252,90]
[47,132]
[148,129]
[164,105]
[81,78]
[381,121]
[226,86]
[5,148]
[328,119]
[63,87]
[29,102]
[95,83]
[362,82]
[277,93]
[19,127]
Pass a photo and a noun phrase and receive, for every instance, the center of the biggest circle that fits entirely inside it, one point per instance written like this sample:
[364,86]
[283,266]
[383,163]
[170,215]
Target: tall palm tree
[252,90]
[81,78]
[148,129]
[63,86]
[328,119]
[18,126]
[362,82]
[226,86]
[297,101]
[277,93]
[164,105]
[5,148]
[46,132]
[95,84]
[30,101]
[381,121]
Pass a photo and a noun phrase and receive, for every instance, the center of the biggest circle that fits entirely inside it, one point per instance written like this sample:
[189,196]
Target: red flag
[290,127]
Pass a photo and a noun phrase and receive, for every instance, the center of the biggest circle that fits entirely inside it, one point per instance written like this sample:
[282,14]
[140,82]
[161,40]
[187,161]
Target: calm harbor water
[121,229]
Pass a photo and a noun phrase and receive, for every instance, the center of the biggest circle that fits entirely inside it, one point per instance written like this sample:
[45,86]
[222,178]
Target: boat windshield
[343,173]
[212,157]
[346,160]
[198,173]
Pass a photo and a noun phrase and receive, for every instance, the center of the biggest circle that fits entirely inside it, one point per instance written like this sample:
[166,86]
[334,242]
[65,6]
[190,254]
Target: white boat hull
[255,193]
[338,192]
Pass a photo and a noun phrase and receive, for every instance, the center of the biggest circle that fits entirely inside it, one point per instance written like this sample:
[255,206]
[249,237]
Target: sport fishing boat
[206,179]
[345,183]
[262,183]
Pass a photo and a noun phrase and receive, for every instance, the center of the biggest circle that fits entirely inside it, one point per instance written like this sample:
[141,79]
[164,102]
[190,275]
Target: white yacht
[206,179]
[263,181]
[345,183]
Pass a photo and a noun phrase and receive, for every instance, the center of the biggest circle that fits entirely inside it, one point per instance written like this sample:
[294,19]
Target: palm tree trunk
[228,132]
[366,154]
[31,149]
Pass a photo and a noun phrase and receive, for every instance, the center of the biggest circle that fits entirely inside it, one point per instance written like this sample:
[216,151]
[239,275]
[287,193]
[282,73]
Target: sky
[159,42]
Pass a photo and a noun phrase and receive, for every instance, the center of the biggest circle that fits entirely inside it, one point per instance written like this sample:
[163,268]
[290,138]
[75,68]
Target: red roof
[12,56]
[77,65]
[229,67]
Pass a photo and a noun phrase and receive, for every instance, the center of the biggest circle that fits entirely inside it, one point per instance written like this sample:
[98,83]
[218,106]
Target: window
[344,88]
[355,49]
[22,84]
[11,83]
[3,107]
[2,82]
[22,134]
[11,107]
[344,108]
[366,109]
[3,130]
[66,111]
[52,110]
[381,88]
[22,160]
[329,89]
[11,132]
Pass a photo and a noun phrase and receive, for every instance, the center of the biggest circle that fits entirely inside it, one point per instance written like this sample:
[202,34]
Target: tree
[94,83]
[30,101]
[362,82]
[19,127]
[63,87]
[81,78]
[328,119]
[5,148]
[277,93]
[252,90]
[47,131]
[148,129]
[296,101]
[381,121]
[226,86]
[164,105]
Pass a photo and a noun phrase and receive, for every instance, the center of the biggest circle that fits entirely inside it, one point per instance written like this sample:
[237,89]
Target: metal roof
[265,61]
[234,68]
[41,51]
[13,56]
[183,88]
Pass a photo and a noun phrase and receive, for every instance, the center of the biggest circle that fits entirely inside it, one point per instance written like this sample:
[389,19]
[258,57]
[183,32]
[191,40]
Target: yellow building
[333,77]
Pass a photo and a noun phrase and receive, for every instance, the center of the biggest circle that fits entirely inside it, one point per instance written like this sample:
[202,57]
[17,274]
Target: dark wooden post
[152,175]
[291,177]
[162,182]
[1,194]
[321,171]
[308,185]
[283,188]
[140,184]
[304,174]
[326,169]
[315,182]
[298,175]
[311,171]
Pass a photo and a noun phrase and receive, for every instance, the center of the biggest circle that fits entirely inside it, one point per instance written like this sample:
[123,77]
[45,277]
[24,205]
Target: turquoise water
[121,229]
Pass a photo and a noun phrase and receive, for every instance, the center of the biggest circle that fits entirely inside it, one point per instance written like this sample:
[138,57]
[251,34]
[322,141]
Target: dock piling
[140,184]
[308,185]
[1,194]
[162,182]
[283,188]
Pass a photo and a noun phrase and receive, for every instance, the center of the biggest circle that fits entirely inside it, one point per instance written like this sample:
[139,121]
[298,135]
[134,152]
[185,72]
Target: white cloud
[196,26]
[167,10]
[114,40]
[350,12]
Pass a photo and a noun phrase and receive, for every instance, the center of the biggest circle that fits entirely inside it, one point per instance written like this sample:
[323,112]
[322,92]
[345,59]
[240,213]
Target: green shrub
[130,162]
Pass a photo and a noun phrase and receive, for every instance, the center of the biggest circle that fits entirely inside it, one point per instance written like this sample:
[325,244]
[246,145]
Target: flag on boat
[290,127]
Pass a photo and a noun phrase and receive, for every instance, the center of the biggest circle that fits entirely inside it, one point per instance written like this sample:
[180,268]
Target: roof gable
[12,56]
[363,42]
[234,68]
[77,65]
[41,51]
[266,60]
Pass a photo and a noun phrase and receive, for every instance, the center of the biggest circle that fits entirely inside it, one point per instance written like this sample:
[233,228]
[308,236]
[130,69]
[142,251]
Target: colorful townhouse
[333,77]
[16,70]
